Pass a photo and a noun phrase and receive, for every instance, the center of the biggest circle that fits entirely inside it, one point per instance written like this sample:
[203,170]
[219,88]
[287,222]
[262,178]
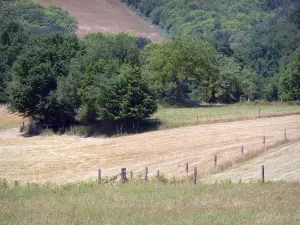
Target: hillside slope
[108,16]
[282,163]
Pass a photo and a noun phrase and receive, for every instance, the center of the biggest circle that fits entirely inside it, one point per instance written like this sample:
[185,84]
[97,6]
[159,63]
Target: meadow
[152,203]
[176,117]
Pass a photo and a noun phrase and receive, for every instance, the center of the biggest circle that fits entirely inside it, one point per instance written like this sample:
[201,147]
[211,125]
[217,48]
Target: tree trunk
[179,84]
[213,98]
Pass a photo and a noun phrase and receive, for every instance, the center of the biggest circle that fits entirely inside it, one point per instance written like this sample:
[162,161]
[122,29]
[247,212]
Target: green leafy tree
[90,86]
[12,39]
[180,59]
[20,19]
[290,78]
[127,97]
[32,91]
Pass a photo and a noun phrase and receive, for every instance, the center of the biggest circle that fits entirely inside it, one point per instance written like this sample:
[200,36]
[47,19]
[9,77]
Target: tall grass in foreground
[152,203]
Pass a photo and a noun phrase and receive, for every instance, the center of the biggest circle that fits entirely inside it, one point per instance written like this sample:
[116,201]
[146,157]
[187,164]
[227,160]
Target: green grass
[176,117]
[153,203]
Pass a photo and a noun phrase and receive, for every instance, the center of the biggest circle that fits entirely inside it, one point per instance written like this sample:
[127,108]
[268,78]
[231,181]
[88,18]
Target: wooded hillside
[261,35]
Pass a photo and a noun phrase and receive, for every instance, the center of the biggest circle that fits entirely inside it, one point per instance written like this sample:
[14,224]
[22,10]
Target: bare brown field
[282,163]
[107,16]
[63,159]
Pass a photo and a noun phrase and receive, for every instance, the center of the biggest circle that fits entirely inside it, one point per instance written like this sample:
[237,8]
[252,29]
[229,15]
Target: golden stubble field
[281,164]
[107,16]
[63,159]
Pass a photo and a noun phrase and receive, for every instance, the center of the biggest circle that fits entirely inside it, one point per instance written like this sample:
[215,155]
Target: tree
[127,97]
[90,86]
[112,92]
[32,91]
[228,84]
[290,78]
[121,47]
[180,59]
[19,20]
[12,39]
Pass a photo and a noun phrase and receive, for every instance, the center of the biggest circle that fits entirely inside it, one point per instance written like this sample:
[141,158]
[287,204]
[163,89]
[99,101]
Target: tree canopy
[218,51]
[180,59]
[21,19]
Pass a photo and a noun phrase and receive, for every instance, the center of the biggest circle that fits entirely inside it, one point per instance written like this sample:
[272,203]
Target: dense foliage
[32,91]
[218,51]
[21,19]
[260,35]
[59,79]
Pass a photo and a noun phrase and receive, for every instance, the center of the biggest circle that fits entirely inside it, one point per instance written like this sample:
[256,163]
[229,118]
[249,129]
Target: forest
[217,51]
[259,36]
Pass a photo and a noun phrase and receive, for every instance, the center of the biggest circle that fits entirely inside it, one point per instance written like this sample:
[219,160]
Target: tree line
[55,77]
[261,36]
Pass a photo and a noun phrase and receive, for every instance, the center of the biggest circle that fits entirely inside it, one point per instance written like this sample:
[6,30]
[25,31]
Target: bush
[294,102]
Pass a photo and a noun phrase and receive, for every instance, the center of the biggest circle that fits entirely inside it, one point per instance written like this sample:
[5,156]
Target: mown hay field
[281,163]
[63,159]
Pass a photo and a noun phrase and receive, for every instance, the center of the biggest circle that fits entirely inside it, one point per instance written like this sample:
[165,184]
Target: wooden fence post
[216,160]
[285,138]
[123,175]
[146,173]
[262,174]
[131,175]
[195,175]
[259,112]
[187,169]
[157,173]
[99,176]
[242,150]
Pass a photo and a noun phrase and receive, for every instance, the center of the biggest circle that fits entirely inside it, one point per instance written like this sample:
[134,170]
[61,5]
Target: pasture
[152,203]
[176,117]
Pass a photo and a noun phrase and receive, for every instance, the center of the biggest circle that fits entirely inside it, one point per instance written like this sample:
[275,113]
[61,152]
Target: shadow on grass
[92,130]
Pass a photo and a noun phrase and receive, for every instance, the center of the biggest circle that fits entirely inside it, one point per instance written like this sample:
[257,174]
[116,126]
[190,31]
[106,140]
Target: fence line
[195,174]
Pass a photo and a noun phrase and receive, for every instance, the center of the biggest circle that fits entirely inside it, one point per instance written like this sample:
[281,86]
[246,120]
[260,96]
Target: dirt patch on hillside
[108,16]
[68,158]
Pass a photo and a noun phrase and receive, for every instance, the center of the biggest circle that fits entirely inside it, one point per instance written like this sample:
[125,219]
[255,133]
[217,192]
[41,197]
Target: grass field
[176,117]
[273,203]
